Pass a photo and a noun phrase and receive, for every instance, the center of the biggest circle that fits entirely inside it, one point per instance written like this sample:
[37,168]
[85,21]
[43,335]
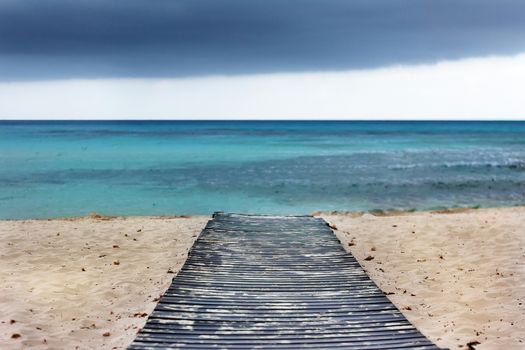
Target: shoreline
[351,213]
[61,286]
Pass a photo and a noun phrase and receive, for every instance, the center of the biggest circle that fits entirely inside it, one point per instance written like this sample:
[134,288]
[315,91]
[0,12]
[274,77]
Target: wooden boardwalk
[274,282]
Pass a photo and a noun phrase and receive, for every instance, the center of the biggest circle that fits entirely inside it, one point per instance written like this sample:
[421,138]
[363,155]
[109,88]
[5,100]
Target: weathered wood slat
[272,282]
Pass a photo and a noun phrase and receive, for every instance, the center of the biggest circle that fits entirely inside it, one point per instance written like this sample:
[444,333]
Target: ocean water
[55,169]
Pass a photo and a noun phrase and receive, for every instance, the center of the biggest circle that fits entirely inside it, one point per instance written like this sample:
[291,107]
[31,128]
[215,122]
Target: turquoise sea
[71,168]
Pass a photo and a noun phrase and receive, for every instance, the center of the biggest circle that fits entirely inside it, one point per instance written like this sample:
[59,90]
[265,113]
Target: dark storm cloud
[140,38]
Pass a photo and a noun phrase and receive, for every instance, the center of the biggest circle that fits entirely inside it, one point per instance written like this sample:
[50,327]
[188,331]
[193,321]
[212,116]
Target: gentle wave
[514,165]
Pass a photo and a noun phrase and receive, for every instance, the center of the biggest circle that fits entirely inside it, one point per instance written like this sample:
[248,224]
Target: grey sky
[56,39]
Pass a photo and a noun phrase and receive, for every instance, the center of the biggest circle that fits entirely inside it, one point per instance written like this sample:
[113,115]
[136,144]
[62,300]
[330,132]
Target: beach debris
[394,225]
[97,216]
[116,262]
[373,249]
[12,321]
[351,243]
[170,271]
[441,257]
[369,258]
[102,255]
[332,226]
[377,212]
[471,344]
[407,308]
[140,314]
[92,326]
[107,334]
[15,336]
[139,230]
[116,246]
[83,269]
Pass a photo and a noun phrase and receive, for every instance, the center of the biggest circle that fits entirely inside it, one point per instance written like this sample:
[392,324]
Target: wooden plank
[274,282]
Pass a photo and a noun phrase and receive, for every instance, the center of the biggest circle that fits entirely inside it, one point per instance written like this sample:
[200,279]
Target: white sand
[56,305]
[458,277]
[464,275]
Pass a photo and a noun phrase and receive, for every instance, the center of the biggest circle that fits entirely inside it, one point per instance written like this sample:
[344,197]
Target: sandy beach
[89,283]
[458,276]
[86,283]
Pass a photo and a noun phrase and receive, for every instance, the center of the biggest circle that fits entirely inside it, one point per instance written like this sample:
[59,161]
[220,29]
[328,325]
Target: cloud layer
[57,39]
[465,89]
